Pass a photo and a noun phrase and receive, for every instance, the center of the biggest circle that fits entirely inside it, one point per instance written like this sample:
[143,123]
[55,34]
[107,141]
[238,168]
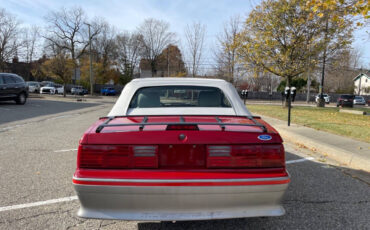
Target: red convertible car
[180,149]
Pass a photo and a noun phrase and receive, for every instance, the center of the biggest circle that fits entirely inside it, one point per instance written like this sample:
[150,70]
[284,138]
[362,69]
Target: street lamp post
[90,56]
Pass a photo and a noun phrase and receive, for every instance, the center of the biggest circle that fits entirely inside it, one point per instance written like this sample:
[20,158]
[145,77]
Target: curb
[344,157]
[357,112]
[34,96]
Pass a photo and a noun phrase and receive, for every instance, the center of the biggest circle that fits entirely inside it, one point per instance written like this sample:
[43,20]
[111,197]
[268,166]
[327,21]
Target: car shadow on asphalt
[11,112]
[320,196]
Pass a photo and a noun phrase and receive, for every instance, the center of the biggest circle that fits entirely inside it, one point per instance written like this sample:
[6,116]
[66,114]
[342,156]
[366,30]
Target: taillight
[245,156]
[117,156]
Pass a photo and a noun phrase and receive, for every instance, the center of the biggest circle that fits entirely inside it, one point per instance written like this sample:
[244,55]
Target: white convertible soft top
[121,108]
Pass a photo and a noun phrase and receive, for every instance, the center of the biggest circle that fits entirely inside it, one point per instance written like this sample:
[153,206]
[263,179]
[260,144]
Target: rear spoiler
[182,122]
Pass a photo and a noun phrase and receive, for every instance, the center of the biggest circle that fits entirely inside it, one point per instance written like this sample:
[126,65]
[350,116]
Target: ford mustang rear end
[180,149]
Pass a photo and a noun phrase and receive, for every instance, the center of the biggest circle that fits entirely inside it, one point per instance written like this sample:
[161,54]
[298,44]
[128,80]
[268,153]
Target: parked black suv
[345,100]
[13,87]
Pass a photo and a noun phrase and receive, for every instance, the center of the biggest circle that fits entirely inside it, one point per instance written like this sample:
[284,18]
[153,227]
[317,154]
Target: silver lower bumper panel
[170,203]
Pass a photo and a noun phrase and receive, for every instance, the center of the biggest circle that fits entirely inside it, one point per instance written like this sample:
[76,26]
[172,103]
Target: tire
[21,99]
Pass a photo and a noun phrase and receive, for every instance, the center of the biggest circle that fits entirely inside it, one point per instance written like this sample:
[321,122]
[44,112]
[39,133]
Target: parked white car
[326,98]
[52,89]
[33,86]
[47,89]
[59,89]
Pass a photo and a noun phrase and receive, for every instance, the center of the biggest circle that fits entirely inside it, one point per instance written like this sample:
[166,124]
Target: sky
[127,15]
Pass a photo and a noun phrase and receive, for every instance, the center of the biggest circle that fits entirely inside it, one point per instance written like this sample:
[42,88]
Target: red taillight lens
[117,156]
[182,127]
[245,156]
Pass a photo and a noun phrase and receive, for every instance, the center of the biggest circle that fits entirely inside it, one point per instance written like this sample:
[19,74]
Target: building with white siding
[362,84]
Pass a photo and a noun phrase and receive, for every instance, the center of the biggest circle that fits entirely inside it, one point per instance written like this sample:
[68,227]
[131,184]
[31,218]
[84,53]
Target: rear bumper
[346,103]
[46,91]
[168,200]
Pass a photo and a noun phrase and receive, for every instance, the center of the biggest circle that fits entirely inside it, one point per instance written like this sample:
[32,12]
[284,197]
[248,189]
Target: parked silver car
[78,90]
[359,100]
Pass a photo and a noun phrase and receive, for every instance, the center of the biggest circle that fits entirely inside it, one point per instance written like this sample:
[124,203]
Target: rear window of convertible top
[179,96]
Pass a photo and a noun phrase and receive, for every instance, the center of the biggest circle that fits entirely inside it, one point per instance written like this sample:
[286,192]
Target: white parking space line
[61,116]
[299,160]
[40,203]
[71,198]
[64,150]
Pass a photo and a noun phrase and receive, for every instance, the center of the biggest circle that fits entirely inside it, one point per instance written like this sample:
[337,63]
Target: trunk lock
[182,137]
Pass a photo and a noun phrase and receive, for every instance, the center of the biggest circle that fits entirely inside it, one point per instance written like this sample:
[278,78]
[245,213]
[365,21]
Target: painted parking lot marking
[71,198]
[39,203]
[299,160]
[64,150]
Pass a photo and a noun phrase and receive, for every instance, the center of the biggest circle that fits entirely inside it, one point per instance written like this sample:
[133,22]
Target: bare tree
[31,42]
[226,53]
[106,51]
[128,52]
[155,36]
[67,29]
[194,35]
[340,71]
[104,43]
[9,26]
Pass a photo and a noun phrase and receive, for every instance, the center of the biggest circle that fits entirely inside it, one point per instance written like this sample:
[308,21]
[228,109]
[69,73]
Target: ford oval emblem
[264,137]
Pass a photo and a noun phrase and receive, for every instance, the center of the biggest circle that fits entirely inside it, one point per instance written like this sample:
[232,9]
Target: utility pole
[309,77]
[321,99]
[168,63]
[308,86]
[90,54]
[359,84]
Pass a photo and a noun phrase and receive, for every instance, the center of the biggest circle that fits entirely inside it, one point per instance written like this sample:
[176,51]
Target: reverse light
[219,151]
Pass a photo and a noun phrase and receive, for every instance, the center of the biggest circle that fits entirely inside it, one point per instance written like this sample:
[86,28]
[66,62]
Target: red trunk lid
[185,149]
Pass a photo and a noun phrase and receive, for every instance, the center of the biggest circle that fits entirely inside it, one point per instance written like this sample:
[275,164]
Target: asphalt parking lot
[37,107]
[38,144]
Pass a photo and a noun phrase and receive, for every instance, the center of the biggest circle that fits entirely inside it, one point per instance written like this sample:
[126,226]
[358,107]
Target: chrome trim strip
[219,154]
[144,154]
[182,180]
